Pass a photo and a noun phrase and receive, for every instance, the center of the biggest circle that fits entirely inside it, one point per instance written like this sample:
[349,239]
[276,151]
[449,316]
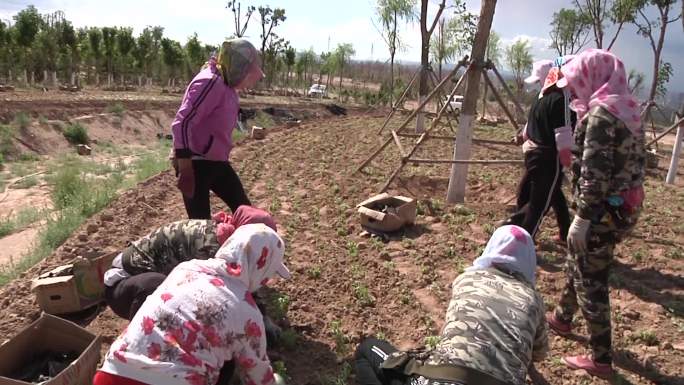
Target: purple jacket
[206,118]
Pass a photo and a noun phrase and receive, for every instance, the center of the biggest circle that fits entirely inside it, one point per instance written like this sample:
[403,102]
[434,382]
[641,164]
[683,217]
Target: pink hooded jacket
[204,123]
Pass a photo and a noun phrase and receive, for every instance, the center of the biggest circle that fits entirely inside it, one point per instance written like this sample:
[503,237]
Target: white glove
[577,235]
[279,380]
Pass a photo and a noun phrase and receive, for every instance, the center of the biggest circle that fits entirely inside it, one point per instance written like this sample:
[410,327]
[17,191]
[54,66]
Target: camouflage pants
[587,289]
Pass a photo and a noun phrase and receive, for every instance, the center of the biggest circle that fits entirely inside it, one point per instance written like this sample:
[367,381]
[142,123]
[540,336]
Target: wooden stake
[508,91]
[500,100]
[398,143]
[662,134]
[414,113]
[464,135]
[422,137]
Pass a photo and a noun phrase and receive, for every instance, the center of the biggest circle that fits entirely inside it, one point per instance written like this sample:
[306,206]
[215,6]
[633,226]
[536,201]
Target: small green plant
[648,337]
[279,367]
[117,109]
[340,338]
[76,134]
[363,295]
[432,341]
[280,303]
[22,120]
[314,272]
[288,338]
[352,249]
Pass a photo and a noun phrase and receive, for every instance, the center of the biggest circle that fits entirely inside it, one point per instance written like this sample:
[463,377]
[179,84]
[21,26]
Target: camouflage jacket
[608,159]
[495,324]
[163,249]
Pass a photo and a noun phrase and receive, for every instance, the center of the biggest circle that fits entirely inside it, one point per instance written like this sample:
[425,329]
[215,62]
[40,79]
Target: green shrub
[7,133]
[22,120]
[76,134]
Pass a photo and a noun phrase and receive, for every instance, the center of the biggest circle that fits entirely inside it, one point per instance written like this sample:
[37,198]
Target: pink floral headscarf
[597,78]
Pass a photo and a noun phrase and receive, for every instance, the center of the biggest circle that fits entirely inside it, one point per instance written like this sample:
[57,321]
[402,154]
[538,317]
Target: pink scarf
[597,78]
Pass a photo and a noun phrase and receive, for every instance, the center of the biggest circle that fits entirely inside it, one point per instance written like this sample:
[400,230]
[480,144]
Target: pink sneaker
[587,363]
[561,328]
[559,241]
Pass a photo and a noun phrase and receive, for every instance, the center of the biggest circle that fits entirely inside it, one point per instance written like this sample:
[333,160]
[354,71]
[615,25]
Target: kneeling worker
[145,263]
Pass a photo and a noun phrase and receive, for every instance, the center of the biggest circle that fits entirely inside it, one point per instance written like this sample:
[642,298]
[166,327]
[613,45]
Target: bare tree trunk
[462,147]
[391,79]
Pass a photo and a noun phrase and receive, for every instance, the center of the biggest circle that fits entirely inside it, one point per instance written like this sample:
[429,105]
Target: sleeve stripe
[193,112]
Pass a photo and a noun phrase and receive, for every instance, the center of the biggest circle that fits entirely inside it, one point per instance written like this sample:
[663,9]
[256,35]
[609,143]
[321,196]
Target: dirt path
[346,286]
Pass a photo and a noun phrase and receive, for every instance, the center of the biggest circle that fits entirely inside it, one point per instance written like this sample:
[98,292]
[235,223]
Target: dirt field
[305,175]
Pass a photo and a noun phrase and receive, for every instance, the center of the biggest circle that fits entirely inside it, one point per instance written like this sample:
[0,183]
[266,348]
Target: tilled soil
[346,286]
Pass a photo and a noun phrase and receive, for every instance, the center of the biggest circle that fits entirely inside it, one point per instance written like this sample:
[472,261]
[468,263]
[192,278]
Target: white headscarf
[511,246]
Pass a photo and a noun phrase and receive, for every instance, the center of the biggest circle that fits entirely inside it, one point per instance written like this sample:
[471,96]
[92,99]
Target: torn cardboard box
[258,133]
[74,287]
[29,357]
[387,213]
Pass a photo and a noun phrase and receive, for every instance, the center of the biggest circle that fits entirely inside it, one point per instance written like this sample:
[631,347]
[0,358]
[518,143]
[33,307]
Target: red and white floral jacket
[203,315]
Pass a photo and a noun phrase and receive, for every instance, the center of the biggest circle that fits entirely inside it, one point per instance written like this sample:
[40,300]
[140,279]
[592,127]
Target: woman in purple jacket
[203,128]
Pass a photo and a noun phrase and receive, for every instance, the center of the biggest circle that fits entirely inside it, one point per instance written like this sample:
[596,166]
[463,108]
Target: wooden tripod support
[407,156]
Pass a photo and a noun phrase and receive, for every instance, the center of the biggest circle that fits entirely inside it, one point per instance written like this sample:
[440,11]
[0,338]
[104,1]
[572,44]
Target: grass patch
[238,135]
[76,134]
[7,133]
[26,183]
[24,218]
[117,109]
[76,195]
[149,164]
[263,120]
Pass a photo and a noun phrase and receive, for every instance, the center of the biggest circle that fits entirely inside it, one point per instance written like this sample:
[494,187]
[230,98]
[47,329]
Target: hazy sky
[319,23]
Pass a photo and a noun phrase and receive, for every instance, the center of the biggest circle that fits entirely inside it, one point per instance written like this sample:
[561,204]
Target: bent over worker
[494,326]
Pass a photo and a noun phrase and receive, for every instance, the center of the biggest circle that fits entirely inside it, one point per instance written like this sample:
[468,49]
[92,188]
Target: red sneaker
[587,363]
[561,328]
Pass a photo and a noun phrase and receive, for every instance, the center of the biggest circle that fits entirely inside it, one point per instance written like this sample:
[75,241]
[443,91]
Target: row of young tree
[47,49]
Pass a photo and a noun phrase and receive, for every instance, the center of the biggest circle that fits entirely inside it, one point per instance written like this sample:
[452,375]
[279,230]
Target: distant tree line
[46,49]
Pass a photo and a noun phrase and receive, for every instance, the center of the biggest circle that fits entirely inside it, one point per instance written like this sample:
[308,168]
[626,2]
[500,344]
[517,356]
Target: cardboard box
[74,287]
[387,213]
[51,334]
[258,132]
